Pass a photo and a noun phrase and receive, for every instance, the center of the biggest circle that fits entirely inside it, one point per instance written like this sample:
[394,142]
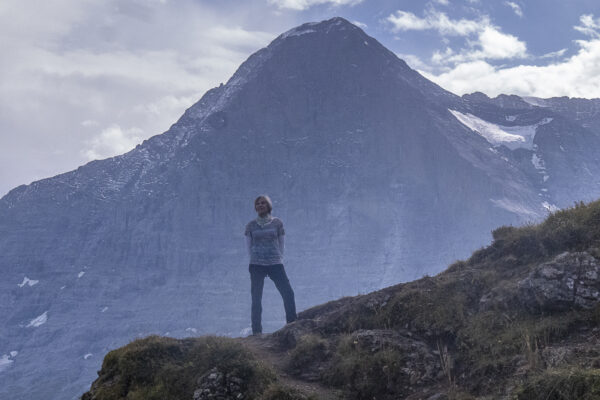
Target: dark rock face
[375,180]
[571,280]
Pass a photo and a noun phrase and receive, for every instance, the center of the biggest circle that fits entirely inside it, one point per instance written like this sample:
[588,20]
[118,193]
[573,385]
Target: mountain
[379,175]
[518,320]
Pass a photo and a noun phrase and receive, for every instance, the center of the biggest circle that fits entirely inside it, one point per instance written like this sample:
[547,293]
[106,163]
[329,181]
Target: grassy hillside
[518,319]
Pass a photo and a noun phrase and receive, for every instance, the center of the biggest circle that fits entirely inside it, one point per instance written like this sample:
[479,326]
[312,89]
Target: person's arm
[280,235]
[249,245]
[281,243]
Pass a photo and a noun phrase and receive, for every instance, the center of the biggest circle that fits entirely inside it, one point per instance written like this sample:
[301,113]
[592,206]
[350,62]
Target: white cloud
[484,40]
[589,26]
[360,24]
[413,61]
[555,54]
[113,141]
[440,57]
[495,44]
[73,66]
[405,21]
[443,2]
[170,105]
[515,7]
[576,76]
[300,5]
[88,123]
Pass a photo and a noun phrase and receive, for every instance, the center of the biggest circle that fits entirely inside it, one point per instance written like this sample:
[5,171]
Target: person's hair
[267,199]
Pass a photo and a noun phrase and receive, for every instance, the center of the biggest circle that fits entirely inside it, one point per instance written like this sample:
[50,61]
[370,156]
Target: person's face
[261,206]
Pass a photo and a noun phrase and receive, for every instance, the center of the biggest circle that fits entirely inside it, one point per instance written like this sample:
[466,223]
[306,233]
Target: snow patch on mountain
[537,162]
[297,32]
[550,207]
[514,207]
[27,281]
[246,331]
[512,137]
[536,101]
[5,361]
[39,320]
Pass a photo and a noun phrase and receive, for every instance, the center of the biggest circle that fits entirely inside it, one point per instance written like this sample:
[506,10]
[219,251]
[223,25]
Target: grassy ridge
[167,369]
[484,348]
[483,339]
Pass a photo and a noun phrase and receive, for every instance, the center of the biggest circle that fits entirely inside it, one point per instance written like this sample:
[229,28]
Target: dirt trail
[269,353]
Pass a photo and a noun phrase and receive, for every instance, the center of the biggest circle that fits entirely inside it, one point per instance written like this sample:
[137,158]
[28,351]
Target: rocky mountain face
[379,175]
[517,320]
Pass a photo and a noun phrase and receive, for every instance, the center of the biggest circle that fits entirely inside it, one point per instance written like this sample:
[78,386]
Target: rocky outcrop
[216,385]
[570,280]
[420,363]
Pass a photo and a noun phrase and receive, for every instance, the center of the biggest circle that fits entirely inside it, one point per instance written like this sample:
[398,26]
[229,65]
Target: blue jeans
[257,278]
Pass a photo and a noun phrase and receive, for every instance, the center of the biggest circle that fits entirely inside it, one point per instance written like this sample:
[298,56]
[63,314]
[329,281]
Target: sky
[89,79]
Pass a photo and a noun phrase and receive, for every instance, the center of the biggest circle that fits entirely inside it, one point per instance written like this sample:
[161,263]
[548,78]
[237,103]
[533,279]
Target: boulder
[570,280]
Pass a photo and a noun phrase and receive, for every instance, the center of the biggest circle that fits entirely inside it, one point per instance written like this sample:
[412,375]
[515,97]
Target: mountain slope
[373,174]
[518,319]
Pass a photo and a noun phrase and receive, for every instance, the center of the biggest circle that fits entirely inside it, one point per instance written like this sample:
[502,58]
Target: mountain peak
[335,24]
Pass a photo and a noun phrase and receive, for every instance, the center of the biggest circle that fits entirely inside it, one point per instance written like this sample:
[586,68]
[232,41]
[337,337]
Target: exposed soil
[268,350]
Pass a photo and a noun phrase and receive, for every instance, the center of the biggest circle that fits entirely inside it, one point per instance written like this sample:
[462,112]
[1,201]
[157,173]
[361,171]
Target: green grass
[311,349]
[366,375]
[168,369]
[277,391]
[562,384]
[445,309]
[572,229]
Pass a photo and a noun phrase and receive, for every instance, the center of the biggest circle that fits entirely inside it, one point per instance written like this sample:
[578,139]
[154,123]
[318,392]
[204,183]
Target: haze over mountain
[379,175]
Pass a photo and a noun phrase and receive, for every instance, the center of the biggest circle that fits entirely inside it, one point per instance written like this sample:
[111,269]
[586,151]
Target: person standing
[265,244]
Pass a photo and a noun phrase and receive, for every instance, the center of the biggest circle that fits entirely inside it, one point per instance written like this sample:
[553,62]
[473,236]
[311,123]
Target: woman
[264,240]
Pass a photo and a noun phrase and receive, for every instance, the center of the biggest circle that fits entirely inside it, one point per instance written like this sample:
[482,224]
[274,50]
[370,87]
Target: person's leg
[257,281]
[282,283]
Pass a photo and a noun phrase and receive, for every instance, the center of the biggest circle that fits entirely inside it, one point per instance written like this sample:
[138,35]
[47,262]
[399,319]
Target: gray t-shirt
[264,248]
